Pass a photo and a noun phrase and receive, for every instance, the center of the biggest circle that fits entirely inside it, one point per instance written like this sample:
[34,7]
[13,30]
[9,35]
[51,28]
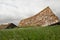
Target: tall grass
[37,33]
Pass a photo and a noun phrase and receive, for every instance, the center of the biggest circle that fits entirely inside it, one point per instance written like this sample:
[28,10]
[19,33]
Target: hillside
[37,33]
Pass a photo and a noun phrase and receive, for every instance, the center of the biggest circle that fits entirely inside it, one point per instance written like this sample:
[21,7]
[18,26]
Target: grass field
[37,33]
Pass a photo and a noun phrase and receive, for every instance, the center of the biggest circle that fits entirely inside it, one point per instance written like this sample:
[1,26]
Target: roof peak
[6,23]
[47,7]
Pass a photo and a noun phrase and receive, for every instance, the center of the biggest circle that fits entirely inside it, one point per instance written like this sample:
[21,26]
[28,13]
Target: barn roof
[5,25]
[44,18]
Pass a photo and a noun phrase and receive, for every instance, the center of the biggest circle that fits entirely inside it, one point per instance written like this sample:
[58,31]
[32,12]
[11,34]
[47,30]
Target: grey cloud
[10,20]
[7,4]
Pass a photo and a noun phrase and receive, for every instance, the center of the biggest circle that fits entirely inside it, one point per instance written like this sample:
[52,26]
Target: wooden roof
[6,25]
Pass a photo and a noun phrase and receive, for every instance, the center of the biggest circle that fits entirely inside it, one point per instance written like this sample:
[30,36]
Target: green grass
[37,33]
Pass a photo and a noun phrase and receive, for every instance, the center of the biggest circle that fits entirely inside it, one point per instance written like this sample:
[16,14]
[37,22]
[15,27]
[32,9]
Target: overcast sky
[15,10]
